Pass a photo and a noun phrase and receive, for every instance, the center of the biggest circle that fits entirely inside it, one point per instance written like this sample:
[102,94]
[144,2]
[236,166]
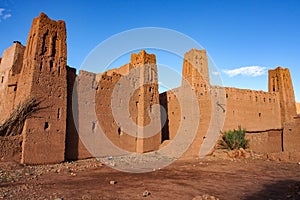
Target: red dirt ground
[89,179]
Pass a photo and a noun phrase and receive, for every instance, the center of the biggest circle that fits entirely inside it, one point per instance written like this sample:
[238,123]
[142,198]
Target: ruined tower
[147,97]
[139,96]
[280,81]
[44,77]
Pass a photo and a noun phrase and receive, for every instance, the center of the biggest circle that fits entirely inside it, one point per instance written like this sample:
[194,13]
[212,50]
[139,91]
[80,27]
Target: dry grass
[14,124]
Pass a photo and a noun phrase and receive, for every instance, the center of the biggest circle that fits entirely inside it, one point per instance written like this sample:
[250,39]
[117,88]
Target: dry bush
[15,122]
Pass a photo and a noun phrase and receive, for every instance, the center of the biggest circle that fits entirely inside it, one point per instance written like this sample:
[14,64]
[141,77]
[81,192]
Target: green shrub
[234,139]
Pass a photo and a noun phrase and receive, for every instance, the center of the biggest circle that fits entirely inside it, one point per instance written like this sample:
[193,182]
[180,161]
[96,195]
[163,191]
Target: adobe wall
[74,148]
[170,103]
[141,69]
[11,148]
[291,135]
[10,68]
[105,116]
[44,76]
[252,110]
[268,141]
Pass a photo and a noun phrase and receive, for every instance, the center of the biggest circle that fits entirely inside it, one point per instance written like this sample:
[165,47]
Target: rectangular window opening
[46,126]
[58,113]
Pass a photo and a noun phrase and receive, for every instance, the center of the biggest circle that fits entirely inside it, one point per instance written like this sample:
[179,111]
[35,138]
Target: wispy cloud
[4,14]
[1,11]
[246,71]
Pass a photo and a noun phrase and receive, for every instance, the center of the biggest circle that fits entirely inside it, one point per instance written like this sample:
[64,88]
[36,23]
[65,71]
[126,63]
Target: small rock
[86,197]
[146,193]
[58,199]
[73,174]
[112,182]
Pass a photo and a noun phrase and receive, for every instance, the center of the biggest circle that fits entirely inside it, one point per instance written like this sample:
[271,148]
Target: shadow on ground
[287,189]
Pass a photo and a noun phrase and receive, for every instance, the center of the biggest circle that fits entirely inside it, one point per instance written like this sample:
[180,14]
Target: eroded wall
[291,135]
[252,110]
[44,76]
[298,108]
[269,141]
[10,68]
[74,147]
[142,92]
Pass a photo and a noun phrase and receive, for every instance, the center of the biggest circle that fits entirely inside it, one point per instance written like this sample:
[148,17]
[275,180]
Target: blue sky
[260,34]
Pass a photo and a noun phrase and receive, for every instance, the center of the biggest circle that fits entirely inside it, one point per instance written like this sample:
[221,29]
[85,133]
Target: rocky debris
[241,153]
[238,154]
[146,193]
[112,182]
[18,177]
[293,157]
[86,197]
[136,161]
[205,197]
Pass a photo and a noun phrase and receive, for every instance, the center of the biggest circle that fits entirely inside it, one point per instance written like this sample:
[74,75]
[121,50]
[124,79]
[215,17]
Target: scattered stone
[205,197]
[112,182]
[86,197]
[146,193]
[73,174]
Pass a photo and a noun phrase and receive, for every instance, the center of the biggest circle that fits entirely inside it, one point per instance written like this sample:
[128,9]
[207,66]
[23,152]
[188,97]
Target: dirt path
[89,179]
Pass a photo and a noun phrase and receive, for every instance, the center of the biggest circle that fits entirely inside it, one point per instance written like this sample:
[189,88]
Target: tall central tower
[44,77]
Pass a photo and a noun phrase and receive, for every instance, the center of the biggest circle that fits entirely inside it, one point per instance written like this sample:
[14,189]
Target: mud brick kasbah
[40,70]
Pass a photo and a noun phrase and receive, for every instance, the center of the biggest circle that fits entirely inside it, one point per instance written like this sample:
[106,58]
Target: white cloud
[246,71]
[6,16]
[1,11]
